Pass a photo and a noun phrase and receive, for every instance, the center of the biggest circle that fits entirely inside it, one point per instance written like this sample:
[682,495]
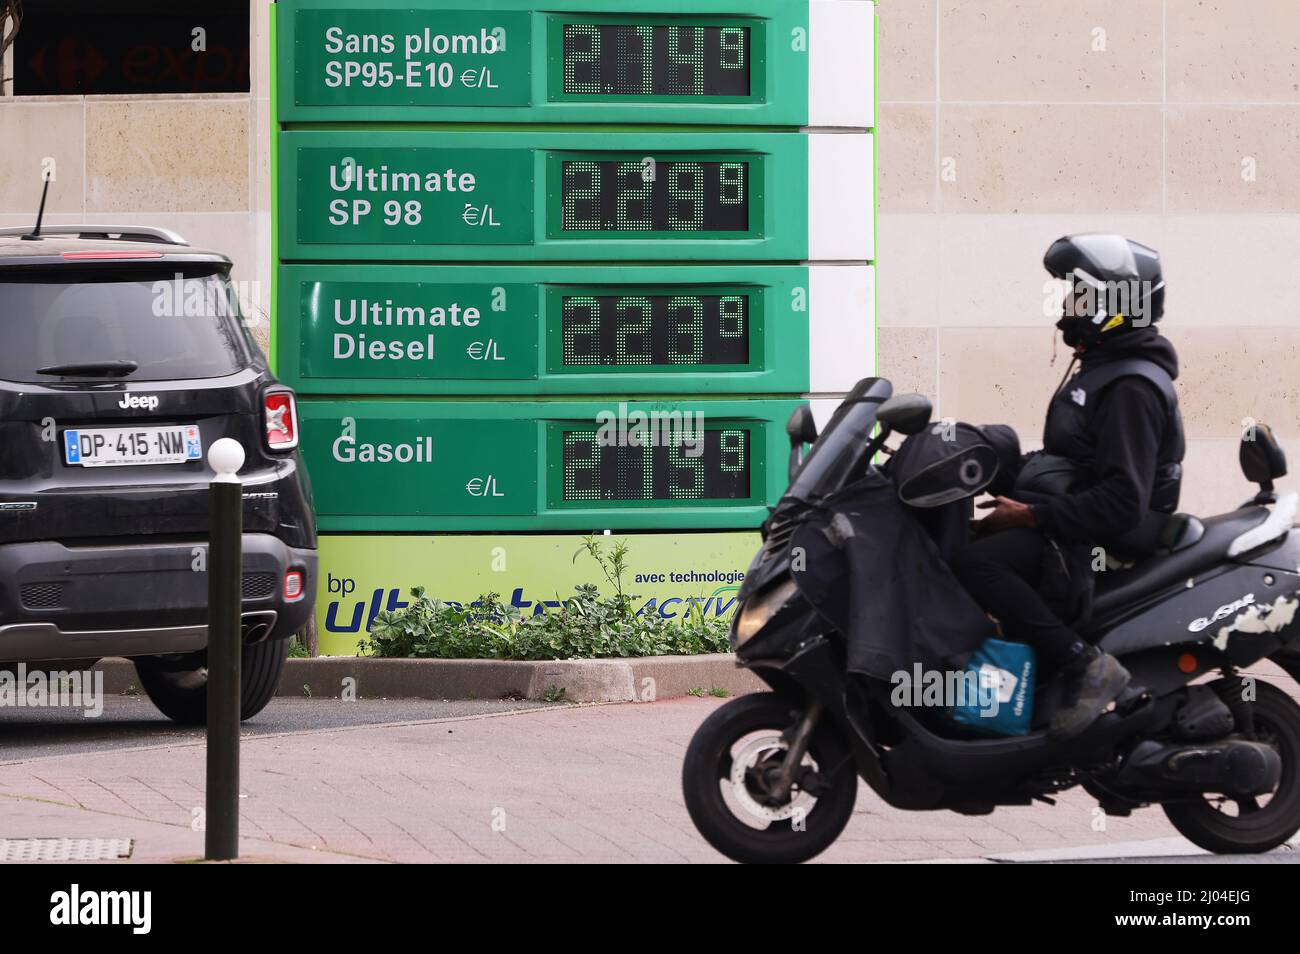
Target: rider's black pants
[1001,571]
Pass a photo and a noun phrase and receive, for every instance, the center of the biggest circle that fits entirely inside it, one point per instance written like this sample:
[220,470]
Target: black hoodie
[1128,425]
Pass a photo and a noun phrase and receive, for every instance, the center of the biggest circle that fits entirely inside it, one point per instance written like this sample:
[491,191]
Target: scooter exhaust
[1234,768]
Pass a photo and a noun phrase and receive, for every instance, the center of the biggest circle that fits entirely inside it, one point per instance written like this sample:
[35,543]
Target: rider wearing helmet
[1109,472]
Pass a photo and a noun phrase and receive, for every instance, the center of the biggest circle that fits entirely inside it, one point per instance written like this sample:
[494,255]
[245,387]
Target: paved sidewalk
[589,783]
[154,841]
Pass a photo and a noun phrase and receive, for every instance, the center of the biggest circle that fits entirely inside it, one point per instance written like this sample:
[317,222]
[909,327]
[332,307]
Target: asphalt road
[129,722]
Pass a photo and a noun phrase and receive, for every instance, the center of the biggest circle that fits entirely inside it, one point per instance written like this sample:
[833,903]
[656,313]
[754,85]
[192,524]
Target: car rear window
[172,324]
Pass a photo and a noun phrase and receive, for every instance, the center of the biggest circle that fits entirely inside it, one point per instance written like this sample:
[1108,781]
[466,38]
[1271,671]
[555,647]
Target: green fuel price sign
[751,62]
[562,267]
[515,329]
[420,195]
[433,465]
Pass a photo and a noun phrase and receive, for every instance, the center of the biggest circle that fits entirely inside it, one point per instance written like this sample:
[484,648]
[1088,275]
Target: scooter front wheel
[735,755]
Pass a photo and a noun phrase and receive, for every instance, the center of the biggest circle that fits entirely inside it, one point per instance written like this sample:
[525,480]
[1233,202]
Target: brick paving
[570,784]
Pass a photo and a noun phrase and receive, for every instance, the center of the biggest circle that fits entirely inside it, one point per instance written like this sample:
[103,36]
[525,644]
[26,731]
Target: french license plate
[123,446]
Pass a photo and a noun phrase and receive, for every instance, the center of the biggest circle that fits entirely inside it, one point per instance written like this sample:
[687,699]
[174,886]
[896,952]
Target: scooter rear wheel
[722,781]
[1245,826]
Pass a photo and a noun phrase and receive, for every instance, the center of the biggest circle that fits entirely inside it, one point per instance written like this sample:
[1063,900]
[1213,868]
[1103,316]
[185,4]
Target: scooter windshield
[842,452]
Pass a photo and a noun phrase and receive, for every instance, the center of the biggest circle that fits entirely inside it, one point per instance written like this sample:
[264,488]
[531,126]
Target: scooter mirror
[801,429]
[1261,457]
[906,413]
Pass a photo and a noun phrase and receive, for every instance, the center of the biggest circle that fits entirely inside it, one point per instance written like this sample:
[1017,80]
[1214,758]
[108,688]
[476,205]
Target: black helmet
[1117,285]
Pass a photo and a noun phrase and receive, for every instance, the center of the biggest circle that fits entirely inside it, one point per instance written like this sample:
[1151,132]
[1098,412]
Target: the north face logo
[1079,396]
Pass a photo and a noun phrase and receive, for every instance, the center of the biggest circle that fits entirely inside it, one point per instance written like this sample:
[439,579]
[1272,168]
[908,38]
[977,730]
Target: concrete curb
[582,680]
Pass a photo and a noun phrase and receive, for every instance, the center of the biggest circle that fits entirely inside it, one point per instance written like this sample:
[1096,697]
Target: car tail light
[293,583]
[281,420]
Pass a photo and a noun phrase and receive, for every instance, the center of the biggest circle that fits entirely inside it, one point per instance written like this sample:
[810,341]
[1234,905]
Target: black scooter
[773,776]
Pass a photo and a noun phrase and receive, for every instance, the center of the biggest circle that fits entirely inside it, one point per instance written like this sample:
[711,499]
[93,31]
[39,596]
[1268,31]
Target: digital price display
[639,59]
[408,464]
[637,330]
[565,329]
[636,195]
[438,195]
[690,465]
[786,63]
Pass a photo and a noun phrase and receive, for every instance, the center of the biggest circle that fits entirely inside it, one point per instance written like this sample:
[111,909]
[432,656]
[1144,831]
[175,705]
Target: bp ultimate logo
[350,612]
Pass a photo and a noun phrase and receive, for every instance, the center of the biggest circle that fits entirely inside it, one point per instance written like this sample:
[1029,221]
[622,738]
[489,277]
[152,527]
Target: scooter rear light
[281,410]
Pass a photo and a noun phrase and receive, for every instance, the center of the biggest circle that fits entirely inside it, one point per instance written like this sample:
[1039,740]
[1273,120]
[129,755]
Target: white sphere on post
[225,457]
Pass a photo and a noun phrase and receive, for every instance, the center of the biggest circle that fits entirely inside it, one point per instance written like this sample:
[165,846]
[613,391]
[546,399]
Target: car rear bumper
[137,599]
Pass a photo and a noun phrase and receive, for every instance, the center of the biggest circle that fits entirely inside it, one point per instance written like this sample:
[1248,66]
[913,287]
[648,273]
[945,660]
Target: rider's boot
[1093,681]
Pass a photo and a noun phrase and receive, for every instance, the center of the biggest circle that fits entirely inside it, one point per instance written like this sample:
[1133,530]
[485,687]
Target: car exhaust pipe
[255,633]
[256,627]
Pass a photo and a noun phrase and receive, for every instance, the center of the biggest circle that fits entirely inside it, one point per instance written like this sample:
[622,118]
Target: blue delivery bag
[1003,675]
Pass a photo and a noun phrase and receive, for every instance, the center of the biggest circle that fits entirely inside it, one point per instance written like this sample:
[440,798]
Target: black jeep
[123,357]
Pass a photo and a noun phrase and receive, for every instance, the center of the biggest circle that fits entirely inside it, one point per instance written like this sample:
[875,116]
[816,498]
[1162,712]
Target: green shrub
[585,626]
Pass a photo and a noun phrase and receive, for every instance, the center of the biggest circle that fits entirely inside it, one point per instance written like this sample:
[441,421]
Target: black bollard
[225,559]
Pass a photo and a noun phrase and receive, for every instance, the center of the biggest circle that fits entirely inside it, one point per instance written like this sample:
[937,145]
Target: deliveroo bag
[1004,674]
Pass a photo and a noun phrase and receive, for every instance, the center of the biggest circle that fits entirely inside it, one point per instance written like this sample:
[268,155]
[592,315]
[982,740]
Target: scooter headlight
[758,612]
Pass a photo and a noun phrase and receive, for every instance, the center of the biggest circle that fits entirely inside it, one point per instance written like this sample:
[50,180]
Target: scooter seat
[1116,589]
